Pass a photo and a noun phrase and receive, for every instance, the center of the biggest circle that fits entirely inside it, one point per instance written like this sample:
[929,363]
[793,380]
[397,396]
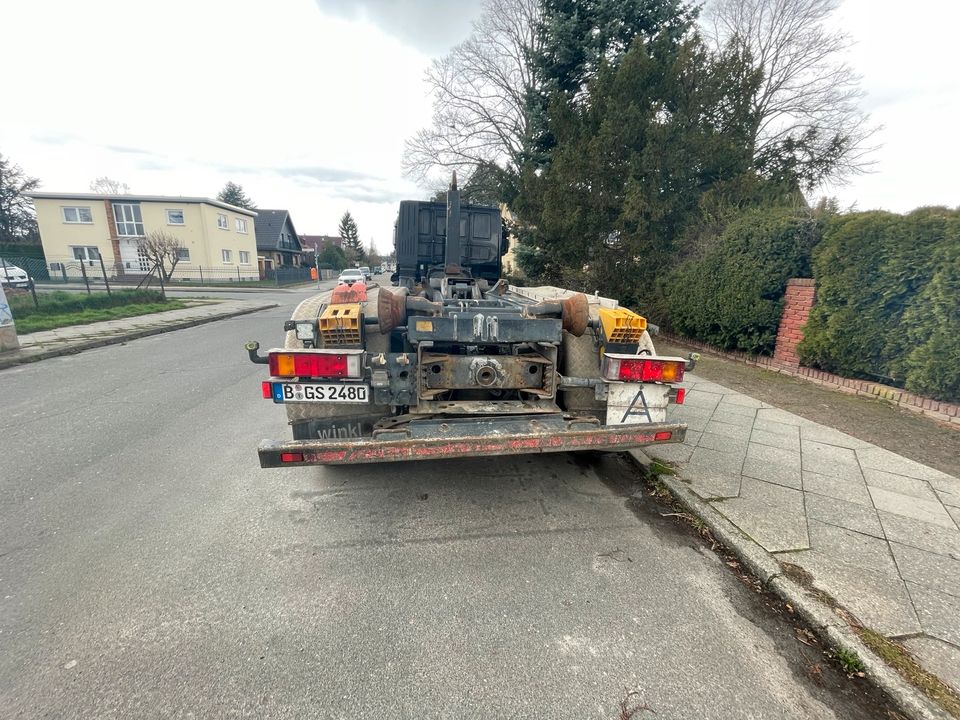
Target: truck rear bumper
[469,437]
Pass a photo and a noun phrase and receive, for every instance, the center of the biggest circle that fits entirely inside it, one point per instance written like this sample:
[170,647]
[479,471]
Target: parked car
[366,272]
[351,276]
[13,276]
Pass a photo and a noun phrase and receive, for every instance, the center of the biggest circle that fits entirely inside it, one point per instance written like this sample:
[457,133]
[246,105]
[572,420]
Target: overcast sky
[306,103]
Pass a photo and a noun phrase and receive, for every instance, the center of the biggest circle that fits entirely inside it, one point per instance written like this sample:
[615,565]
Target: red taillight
[681,395]
[291,457]
[663,435]
[643,369]
[267,390]
[314,364]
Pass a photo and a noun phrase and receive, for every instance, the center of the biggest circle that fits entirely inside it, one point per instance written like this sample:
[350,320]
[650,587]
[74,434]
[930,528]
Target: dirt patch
[873,421]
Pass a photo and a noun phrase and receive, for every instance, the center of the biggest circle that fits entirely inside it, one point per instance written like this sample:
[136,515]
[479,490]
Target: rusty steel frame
[373,450]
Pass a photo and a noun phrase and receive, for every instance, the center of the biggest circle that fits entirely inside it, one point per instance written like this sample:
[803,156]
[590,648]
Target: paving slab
[938,612]
[712,473]
[741,432]
[780,416]
[774,465]
[829,436]
[938,572]
[880,459]
[921,535]
[773,439]
[935,653]
[850,489]
[770,514]
[723,443]
[840,513]
[902,484]
[931,511]
[775,427]
[822,453]
[882,601]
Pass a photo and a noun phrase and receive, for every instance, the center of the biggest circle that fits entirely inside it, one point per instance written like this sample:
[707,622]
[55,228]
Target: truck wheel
[579,357]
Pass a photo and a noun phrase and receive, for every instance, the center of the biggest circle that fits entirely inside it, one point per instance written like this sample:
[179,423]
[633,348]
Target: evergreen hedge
[888,300]
[732,295]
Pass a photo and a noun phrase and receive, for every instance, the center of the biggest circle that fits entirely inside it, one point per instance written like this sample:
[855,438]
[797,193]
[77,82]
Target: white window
[88,252]
[227,255]
[77,215]
[222,222]
[174,217]
[128,218]
[244,257]
[183,254]
[241,225]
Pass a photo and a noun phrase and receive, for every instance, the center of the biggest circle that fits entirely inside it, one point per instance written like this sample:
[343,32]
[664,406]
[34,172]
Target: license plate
[320,392]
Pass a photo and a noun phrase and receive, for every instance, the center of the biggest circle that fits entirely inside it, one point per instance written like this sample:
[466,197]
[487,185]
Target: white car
[12,276]
[351,276]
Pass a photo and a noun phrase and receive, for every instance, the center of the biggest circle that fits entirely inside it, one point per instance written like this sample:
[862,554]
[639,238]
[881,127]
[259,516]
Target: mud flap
[343,427]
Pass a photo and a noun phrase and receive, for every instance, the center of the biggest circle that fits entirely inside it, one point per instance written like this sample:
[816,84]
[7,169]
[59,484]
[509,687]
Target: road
[149,568]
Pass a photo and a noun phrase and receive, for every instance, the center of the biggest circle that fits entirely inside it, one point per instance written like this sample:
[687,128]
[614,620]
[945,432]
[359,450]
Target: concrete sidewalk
[878,532]
[76,338]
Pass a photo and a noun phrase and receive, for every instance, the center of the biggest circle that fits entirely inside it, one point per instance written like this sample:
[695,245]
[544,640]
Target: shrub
[884,304]
[732,295]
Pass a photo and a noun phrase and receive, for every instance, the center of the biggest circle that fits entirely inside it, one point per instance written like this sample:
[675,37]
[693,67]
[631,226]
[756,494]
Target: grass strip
[62,309]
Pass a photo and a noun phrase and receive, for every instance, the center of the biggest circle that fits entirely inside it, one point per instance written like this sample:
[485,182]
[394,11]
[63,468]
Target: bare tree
[807,107]
[163,250]
[108,186]
[480,92]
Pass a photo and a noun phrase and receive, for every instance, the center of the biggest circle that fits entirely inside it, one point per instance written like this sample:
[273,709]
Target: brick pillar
[114,238]
[798,302]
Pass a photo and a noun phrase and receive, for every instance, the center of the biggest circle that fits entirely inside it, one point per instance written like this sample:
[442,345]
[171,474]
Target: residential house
[278,244]
[217,239]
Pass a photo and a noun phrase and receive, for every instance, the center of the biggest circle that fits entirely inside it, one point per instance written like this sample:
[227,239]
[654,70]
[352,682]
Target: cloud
[155,165]
[126,150]
[432,26]
[53,137]
[322,174]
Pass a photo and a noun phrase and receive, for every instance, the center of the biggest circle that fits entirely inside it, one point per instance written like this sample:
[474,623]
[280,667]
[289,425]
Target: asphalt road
[149,568]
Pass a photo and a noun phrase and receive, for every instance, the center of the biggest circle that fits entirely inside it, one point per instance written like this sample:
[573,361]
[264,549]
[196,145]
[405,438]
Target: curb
[74,348]
[817,614]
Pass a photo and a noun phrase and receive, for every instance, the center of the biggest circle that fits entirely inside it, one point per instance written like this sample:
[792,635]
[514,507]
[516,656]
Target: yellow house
[218,240]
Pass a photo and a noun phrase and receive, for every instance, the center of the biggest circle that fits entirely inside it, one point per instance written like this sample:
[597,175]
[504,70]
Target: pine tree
[351,236]
[233,194]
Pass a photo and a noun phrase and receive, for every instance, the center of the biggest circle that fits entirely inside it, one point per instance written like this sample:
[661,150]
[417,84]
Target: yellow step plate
[622,326]
[340,324]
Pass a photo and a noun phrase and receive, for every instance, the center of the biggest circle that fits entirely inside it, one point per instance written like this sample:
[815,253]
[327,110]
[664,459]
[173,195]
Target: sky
[306,103]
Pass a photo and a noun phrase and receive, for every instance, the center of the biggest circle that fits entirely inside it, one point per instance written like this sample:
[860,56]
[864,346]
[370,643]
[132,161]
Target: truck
[457,362]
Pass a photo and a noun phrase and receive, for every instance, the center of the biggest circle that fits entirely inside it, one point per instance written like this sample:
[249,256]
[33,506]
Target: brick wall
[798,302]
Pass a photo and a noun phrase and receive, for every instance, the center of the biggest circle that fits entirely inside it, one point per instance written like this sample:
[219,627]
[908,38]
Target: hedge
[888,300]
[732,295]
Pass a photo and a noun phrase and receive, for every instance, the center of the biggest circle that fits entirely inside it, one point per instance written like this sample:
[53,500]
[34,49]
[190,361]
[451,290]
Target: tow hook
[252,347]
[692,361]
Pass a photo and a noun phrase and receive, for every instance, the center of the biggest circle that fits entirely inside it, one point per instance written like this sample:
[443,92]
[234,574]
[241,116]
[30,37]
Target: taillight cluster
[637,368]
[315,364]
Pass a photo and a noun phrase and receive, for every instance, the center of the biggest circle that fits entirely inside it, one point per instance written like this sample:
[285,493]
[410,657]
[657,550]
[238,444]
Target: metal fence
[98,272]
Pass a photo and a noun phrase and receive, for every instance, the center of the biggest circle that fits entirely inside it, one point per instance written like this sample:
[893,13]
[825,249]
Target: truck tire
[579,357]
